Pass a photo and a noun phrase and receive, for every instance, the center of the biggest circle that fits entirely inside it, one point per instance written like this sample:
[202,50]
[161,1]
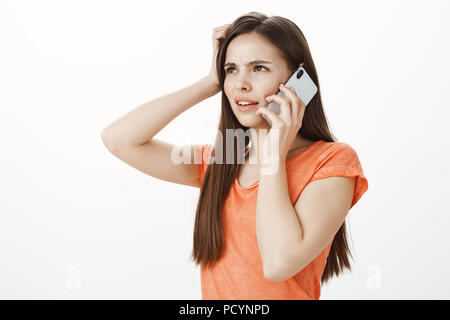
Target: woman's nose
[243,83]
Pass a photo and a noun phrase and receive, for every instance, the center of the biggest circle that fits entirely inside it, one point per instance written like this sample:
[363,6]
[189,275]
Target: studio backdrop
[76,222]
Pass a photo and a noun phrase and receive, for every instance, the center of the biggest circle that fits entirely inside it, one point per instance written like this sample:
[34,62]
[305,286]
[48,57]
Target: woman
[256,235]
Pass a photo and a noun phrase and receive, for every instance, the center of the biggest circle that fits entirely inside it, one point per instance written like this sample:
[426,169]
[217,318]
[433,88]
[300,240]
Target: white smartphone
[303,85]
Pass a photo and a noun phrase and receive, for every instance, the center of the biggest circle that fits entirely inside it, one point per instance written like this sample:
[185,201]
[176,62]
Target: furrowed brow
[248,63]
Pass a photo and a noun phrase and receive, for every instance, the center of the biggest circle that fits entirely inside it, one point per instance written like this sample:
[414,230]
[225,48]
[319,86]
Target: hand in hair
[218,34]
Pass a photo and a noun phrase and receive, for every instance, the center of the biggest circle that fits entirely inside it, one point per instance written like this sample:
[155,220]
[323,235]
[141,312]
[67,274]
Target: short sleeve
[342,161]
[202,157]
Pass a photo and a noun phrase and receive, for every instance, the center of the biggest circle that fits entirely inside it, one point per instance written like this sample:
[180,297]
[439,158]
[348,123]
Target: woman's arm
[130,138]
[142,123]
[291,236]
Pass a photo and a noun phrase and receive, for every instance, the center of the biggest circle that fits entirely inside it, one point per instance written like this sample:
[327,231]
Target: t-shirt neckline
[256,183]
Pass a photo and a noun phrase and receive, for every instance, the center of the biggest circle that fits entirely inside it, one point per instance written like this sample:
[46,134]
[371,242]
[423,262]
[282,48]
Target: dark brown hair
[219,177]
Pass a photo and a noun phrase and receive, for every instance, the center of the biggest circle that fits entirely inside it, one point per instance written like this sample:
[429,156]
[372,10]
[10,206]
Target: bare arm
[291,236]
[130,138]
[142,123]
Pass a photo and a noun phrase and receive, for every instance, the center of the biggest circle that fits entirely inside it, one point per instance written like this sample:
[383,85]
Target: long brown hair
[219,177]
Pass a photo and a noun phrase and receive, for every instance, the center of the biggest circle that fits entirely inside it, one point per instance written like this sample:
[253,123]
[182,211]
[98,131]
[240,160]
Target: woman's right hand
[218,33]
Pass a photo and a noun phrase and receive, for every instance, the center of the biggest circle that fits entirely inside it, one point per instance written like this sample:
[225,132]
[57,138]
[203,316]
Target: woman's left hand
[287,123]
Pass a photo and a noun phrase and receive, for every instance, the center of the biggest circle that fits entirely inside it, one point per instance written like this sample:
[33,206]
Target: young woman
[256,236]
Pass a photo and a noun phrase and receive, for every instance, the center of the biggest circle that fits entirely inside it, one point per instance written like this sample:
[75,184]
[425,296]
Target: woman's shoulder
[321,149]
[325,153]
[329,148]
[341,147]
[340,159]
[338,154]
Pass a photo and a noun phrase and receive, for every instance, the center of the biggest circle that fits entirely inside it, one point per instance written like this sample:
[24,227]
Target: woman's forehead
[250,47]
[252,42]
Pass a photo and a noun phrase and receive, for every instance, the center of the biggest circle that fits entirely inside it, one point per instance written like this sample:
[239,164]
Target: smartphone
[303,86]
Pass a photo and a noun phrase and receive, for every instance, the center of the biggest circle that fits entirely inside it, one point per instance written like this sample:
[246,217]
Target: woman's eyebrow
[248,63]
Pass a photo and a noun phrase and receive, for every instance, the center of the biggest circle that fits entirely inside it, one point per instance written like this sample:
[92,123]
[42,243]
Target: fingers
[221,28]
[298,106]
[296,102]
[291,108]
[219,32]
[275,121]
[218,35]
[285,107]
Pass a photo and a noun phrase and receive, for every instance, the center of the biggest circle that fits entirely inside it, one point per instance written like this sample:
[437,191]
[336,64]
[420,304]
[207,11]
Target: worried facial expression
[254,68]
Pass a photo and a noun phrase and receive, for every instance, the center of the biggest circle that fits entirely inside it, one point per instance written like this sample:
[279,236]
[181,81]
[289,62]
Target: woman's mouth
[247,107]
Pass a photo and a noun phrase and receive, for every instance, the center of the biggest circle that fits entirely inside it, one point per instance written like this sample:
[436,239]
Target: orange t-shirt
[239,272]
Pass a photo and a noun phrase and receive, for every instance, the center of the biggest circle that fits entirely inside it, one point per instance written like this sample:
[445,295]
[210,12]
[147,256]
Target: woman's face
[253,81]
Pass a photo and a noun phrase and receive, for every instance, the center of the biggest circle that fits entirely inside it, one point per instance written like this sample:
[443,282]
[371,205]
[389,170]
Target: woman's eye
[227,70]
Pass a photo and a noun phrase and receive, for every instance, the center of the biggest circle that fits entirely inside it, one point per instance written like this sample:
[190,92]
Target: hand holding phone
[304,88]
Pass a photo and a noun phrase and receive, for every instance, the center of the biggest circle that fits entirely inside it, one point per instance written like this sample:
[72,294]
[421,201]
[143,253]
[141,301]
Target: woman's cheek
[226,87]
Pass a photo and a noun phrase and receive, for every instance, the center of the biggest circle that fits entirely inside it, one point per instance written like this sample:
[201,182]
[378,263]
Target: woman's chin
[253,121]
